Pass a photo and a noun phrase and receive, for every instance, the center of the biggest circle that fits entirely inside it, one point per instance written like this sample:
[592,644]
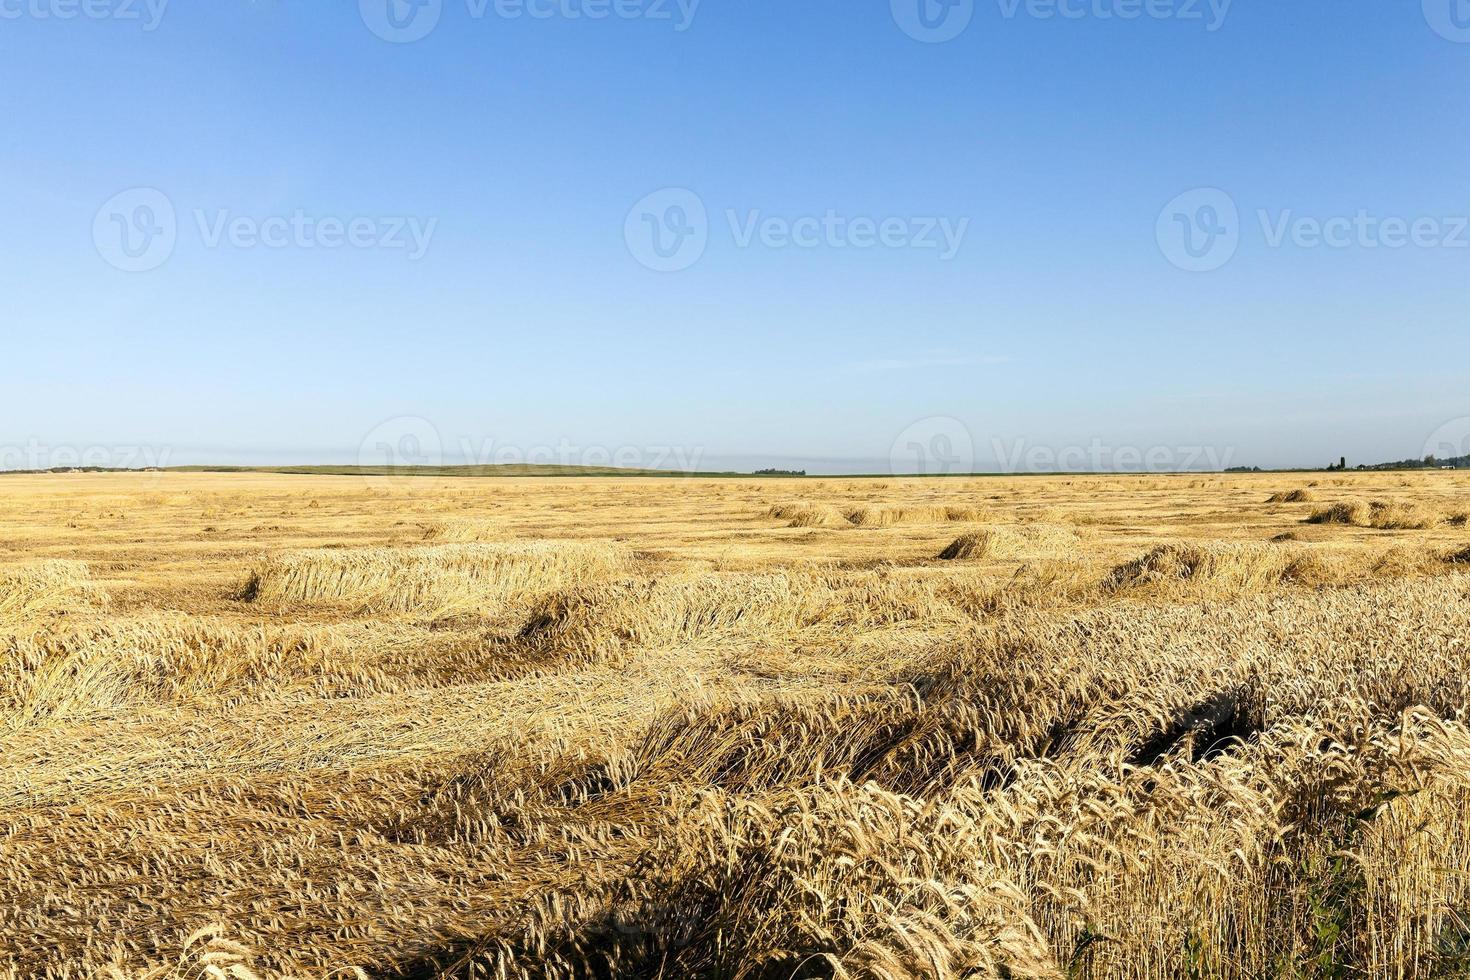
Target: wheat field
[1134,726]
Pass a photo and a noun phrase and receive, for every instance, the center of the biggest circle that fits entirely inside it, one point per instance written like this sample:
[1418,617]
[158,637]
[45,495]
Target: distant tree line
[1341,466]
[1427,463]
[780,472]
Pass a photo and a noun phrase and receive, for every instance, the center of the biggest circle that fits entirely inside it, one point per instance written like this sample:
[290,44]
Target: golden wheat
[1126,727]
[1020,541]
[431,581]
[1386,516]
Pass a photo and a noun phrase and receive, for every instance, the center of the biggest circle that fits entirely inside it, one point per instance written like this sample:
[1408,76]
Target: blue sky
[527,154]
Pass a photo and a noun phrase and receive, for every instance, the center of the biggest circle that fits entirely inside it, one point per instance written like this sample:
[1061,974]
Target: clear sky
[747,232]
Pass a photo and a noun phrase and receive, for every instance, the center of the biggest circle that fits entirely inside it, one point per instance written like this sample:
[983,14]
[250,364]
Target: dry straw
[434,581]
[1142,752]
[808,514]
[888,516]
[1385,516]
[1300,496]
[33,591]
[1220,567]
[1019,541]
